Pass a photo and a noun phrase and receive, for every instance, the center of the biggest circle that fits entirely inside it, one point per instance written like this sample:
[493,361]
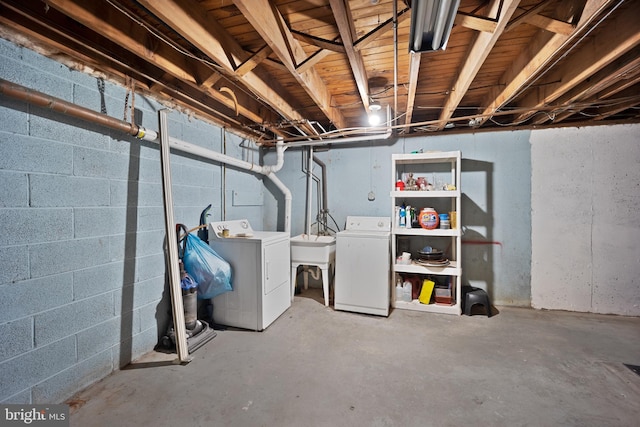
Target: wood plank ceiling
[309,69]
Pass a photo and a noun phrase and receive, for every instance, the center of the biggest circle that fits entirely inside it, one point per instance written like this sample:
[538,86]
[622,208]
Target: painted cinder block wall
[496,209]
[549,216]
[82,264]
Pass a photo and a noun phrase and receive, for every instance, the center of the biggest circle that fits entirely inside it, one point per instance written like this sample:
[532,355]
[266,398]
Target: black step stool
[473,296]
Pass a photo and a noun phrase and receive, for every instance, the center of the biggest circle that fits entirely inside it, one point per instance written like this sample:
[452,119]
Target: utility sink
[312,249]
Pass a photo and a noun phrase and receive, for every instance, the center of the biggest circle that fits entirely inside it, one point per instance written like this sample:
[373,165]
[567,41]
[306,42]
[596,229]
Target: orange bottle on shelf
[429,218]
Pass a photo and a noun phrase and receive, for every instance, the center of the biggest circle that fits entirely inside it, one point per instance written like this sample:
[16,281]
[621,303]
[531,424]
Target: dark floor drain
[634,368]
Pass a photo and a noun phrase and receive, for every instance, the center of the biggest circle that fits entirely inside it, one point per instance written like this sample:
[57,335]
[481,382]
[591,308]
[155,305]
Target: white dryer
[260,263]
[362,266]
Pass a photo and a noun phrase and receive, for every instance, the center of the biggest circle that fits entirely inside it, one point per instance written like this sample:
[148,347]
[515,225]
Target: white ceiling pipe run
[268,170]
[349,139]
[73,110]
[346,140]
[187,147]
[287,200]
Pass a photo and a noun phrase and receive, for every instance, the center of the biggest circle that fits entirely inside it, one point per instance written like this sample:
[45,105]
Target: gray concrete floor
[318,367]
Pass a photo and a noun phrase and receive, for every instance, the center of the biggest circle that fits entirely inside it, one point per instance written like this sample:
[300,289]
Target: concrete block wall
[82,264]
[496,210]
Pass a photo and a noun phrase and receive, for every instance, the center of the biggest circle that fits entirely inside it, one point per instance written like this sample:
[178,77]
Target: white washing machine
[362,266]
[260,263]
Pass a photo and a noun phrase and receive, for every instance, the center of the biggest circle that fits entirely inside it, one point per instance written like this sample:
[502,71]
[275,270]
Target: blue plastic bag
[208,269]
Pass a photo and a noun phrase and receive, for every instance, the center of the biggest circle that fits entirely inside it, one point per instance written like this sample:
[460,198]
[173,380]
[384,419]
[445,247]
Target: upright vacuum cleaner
[198,331]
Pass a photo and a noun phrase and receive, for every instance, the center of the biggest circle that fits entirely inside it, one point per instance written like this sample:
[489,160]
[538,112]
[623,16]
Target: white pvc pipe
[174,275]
[346,140]
[309,190]
[268,171]
[61,106]
[213,155]
[287,200]
[349,139]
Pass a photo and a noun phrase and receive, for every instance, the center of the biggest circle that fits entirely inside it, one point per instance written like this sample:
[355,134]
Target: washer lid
[345,234]
[368,223]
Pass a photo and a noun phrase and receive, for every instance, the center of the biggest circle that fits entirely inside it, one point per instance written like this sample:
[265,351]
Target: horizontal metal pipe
[46,101]
[58,105]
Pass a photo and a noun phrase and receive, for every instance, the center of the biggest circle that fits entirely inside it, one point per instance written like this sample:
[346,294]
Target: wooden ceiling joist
[538,54]
[268,22]
[137,40]
[612,42]
[74,51]
[473,22]
[629,100]
[344,22]
[414,69]
[188,19]
[254,65]
[478,53]
[613,75]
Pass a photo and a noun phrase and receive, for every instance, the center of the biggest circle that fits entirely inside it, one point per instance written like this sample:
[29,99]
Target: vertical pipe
[172,248]
[287,200]
[309,190]
[324,209]
[395,62]
[224,176]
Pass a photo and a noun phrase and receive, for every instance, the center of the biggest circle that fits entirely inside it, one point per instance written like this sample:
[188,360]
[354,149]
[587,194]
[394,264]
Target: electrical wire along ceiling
[304,70]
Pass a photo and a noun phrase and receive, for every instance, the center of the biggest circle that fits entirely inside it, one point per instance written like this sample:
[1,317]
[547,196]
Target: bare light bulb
[374,118]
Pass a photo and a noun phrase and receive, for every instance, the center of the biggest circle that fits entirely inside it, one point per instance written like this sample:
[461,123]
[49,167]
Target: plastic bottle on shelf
[396,218]
[403,216]
[406,291]
[399,289]
[444,221]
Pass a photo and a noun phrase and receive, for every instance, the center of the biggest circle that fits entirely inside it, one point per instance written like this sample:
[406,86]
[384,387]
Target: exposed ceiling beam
[188,19]
[343,18]
[537,56]
[253,61]
[38,32]
[115,61]
[620,35]
[318,42]
[110,23]
[522,18]
[212,79]
[474,22]
[114,25]
[618,72]
[623,83]
[629,99]
[312,60]
[550,24]
[270,24]
[381,30]
[477,54]
[414,69]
